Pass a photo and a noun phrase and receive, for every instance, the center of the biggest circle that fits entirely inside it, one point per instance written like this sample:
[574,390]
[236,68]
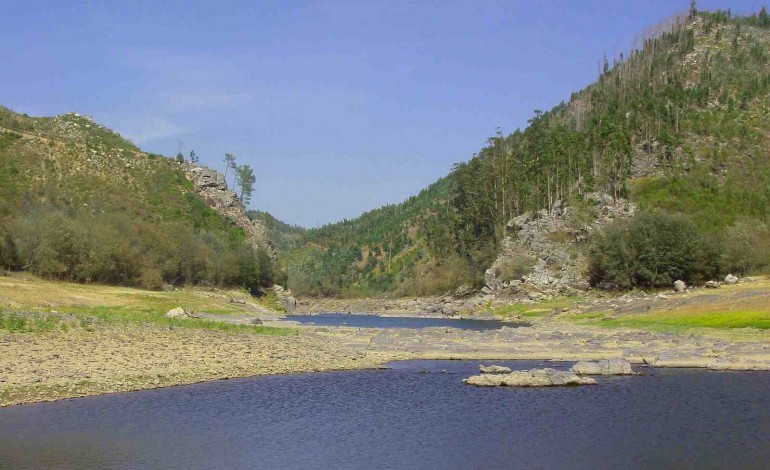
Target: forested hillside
[78,202]
[680,126]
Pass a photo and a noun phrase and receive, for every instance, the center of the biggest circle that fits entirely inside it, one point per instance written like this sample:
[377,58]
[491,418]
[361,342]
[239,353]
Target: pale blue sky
[340,106]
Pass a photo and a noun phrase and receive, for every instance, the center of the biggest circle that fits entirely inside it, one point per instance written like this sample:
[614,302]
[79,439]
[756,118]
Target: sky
[339,106]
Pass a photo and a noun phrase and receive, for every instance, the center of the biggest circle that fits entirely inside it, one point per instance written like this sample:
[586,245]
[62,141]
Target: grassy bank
[29,304]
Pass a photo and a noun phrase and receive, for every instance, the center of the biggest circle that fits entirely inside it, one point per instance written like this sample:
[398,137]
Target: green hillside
[78,202]
[679,126]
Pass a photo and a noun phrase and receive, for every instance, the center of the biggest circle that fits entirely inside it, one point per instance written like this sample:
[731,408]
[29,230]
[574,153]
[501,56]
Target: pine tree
[764,18]
[193,156]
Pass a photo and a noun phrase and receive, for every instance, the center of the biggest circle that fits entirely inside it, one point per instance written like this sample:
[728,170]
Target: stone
[617,366]
[730,279]
[713,285]
[256,321]
[178,312]
[494,369]
[464,290]
[680,286]
[530,378]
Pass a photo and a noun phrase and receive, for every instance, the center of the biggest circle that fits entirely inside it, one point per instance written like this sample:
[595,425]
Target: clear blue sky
[340,107]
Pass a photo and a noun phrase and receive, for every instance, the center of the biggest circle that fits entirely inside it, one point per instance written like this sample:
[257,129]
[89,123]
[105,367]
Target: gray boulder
[178,312]
[680,286]
[730,279]
[713,285]
[530,378]
[494,369]
[615,366]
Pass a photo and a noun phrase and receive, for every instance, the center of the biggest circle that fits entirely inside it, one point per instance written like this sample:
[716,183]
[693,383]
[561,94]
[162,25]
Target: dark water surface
[401,419]
[374,321]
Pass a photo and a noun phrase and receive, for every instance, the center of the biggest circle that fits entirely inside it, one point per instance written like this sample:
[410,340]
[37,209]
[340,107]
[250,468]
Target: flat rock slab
[530,378]
[494,369]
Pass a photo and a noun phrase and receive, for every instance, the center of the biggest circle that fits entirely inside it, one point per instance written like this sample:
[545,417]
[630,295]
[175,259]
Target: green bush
[650,250]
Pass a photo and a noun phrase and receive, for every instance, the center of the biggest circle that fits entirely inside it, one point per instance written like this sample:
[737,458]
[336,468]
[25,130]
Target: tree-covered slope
[681,124]
[79,202]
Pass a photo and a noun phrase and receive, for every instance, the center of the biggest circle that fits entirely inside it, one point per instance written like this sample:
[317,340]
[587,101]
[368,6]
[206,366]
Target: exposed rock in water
[615,366]
[730,279]
[680,286]
[494,369]
[530,378]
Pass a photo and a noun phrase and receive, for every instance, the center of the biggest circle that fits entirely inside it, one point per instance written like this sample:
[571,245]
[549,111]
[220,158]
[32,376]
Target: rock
[178,312]
[617,366]
[494,370]
[167,288]
[713,285]
[730,279]
[680,286]
[662,296]
[530,378]
[256,321]
[464,290]
[237,301]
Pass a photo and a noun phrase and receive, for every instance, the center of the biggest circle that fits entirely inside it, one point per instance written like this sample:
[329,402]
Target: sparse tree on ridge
[180,157]
[246,179]
[193,156]
[693,9]
[229,163]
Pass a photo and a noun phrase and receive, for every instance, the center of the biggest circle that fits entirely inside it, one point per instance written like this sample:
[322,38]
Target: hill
[678,128]
[79,202]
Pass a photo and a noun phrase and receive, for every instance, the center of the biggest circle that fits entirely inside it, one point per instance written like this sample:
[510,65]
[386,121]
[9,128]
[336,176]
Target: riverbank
[88,340]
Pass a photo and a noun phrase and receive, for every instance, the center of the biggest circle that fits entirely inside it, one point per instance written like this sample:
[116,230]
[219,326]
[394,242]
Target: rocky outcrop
[211,186]
[494,369]
[617,366]
[530,378]
[547,240]
[285,298]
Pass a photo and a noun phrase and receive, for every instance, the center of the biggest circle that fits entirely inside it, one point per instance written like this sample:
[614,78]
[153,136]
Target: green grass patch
[588,316]
[537,309]
[270,300]
[679,321]
[143,315]
[27,323]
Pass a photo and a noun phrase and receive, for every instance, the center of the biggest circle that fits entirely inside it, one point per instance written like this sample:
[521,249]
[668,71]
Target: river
[416,415]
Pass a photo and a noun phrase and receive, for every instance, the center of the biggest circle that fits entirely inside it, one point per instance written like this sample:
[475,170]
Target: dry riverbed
[71,341]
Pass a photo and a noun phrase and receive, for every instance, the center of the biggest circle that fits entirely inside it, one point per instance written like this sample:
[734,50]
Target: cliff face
[210,185]
[544,253]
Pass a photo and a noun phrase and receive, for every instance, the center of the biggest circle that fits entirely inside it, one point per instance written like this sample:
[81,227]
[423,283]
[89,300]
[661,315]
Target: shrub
[746,247]
[516,264]
[650,250]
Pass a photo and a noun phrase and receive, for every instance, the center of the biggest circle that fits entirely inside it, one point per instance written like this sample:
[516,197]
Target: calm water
[372,321]
[401,419]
